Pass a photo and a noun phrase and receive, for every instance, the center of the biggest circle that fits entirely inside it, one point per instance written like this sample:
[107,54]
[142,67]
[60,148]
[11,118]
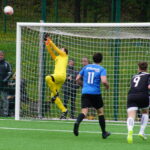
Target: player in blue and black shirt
[93,75]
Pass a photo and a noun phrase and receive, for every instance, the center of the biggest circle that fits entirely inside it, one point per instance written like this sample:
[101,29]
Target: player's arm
[105,82]
[60,52]
[78,78]
[49,49]
[9,73]
[80,82]
[149,83]
[104,79]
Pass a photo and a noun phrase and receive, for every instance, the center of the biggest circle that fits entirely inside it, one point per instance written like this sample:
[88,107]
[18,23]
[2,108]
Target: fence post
[116,15]
[5,17]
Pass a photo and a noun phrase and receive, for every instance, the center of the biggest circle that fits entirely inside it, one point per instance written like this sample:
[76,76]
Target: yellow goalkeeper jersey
[61,65]
[61,60]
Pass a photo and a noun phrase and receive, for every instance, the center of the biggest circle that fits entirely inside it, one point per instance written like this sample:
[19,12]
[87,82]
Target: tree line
[78,10]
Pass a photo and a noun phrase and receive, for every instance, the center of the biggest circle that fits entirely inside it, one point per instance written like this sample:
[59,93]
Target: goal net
[122,45]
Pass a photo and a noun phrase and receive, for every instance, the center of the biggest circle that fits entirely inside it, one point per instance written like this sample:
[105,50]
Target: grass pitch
[57,135]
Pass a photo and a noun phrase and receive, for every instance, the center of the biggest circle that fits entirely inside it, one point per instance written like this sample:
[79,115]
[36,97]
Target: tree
[77,7]
[144,7]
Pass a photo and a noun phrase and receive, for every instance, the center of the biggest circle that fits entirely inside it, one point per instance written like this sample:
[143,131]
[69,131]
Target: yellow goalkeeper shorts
[58,81]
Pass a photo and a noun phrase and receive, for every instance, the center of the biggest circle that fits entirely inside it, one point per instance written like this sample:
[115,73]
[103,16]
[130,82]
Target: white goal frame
[18,46]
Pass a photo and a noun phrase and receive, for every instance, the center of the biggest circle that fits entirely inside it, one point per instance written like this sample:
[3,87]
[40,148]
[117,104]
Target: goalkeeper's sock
[80,117]
[51,84]
[144,121]
[102,123]
[60,105]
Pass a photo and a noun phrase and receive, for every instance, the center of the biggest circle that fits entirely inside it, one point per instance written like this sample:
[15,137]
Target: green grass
[8,45]
[57,135]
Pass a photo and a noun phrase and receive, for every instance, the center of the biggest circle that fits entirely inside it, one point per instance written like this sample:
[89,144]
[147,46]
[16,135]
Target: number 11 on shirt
[90,77]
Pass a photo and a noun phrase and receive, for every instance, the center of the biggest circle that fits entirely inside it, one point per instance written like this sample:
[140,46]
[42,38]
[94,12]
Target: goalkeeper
[57,79]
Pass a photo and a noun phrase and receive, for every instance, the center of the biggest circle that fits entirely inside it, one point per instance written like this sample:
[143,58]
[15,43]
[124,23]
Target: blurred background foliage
[64,11]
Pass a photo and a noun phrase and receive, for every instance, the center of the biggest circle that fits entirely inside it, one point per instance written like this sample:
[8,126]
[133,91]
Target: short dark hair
[143,65]
[66,50]
[97,57]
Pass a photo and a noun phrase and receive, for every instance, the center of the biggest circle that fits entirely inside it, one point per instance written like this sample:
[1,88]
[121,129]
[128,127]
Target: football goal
[123,45]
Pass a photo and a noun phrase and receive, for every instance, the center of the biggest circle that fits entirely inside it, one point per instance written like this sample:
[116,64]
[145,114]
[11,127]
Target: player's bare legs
[102,124]
[80,117]
[130,123]
[144,121]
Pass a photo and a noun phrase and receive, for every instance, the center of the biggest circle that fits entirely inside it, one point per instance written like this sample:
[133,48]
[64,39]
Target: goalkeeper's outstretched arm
[60,52]
[51,46]
[49,49]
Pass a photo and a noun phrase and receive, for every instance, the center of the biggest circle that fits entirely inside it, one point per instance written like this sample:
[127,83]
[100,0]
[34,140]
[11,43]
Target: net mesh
[122,49]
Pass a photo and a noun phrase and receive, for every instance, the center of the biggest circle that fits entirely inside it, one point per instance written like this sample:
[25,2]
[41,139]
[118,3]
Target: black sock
[80,118]
[102,123]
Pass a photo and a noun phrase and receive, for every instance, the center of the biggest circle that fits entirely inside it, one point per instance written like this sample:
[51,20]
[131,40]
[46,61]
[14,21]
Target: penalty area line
[64,131]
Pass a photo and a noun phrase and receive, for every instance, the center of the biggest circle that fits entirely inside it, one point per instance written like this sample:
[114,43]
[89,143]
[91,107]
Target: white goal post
[123,45]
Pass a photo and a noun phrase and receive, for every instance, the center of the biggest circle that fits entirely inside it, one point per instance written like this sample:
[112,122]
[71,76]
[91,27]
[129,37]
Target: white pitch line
[68,131]
[84,122]
[88,123]
[71,122]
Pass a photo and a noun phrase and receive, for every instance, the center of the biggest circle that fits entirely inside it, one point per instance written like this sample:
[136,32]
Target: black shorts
[89,100]
[138,100]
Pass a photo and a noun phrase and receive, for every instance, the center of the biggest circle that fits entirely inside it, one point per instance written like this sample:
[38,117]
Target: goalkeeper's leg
[55,86]
[59,103]
[51,84]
